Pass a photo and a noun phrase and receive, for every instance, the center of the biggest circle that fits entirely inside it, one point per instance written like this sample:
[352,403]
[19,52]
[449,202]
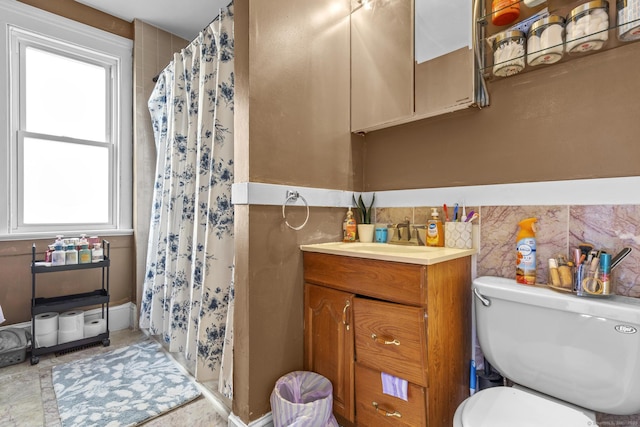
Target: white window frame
[22,25]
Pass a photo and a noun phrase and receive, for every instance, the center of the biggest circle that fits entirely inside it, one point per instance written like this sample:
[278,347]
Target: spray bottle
[526,252]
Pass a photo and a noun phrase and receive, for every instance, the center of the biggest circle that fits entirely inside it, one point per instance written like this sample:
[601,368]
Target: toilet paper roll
[46,323]
[95,327]
[47,340]
[68,336]
[71,321]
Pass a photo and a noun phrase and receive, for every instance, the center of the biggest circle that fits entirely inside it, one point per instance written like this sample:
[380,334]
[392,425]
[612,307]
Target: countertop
[423,255]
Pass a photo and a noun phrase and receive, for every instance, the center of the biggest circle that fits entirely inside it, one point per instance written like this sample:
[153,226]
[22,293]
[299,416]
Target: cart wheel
[106,342]
[34,360]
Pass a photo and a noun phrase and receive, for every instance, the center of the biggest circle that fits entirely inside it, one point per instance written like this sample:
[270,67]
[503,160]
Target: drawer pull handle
[386,413]
[344,314]
[385,340]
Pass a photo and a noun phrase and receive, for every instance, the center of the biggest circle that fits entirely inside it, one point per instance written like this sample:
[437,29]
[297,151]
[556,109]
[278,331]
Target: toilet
[569,356]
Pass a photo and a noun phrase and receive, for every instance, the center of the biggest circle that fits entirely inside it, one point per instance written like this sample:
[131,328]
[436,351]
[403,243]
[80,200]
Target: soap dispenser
[435,232]
[349,228]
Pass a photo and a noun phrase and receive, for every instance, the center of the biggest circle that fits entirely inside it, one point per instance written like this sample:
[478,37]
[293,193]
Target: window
[69,127]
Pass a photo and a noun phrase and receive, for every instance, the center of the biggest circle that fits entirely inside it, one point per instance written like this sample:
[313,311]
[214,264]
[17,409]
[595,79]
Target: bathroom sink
[424,255]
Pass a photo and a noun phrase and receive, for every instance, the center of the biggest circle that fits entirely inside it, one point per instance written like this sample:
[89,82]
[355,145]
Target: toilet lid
[508,407]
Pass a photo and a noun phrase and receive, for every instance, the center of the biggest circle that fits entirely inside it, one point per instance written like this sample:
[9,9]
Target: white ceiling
[184,18]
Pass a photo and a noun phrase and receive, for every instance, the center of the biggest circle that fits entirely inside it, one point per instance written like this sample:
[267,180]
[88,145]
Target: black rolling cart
[67,302]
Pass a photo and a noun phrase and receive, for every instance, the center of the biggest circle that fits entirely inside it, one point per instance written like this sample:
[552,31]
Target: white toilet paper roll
[95,327]
[71,321]
[68,336]
[46,323]
[47,340]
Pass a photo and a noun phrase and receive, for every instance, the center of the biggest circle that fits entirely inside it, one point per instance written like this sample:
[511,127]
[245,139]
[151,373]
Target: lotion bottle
[435,232]
[526,252]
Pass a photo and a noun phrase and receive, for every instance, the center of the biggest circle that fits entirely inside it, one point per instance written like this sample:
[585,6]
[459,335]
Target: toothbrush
[446,213]
[464,213]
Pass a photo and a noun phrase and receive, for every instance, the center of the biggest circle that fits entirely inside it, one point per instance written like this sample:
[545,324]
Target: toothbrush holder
[458,235]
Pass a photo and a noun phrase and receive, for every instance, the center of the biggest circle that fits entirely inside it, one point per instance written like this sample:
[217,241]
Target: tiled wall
[559,228]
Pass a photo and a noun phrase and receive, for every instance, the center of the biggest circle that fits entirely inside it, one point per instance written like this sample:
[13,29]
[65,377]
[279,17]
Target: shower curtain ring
[293,196]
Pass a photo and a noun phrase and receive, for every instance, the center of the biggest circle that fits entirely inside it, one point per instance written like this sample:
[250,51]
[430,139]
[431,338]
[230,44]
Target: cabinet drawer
[391,338]
[374,408]
[390,281]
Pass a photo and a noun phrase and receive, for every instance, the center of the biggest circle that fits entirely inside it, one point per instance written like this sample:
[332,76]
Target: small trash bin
[303,398]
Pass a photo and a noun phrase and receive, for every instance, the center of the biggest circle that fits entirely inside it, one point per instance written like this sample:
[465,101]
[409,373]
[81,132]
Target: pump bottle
[526,252]
[349,228]
[435,233]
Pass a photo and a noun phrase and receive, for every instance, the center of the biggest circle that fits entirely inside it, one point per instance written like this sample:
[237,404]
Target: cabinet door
[328,343]
[381,63]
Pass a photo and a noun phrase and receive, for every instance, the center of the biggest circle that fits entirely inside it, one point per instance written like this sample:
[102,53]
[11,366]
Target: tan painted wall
[291,127]
[15,256]
[152,52]
[567,121]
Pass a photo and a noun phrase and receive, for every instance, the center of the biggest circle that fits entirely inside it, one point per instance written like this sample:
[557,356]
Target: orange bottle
[504,12]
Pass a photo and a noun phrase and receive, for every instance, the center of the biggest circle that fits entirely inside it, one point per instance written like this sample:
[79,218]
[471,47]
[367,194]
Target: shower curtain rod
[155,79]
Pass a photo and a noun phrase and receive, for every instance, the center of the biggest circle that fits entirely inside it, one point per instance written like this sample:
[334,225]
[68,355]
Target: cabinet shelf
[53,268]
[554,7]
[38,351]
[67,302]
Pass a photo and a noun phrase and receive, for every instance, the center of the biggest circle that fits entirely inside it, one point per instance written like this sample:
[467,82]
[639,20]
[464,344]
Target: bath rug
[123,387]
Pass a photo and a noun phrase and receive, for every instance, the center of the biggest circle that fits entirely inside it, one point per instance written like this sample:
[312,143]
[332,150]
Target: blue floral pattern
[120,388]
[189,271]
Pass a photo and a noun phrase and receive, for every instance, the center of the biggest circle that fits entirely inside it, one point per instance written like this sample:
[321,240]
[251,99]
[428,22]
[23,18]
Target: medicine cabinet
[413,59]
[528,16]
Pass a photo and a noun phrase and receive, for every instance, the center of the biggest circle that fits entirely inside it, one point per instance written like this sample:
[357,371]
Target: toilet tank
[583,350]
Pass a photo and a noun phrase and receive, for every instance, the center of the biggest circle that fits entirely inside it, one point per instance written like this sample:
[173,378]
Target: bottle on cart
[58,255]
[84,254]
[97,254]
[71,255]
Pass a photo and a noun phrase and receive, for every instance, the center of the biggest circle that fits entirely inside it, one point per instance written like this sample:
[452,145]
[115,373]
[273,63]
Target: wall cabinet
[389,84]
[366,317]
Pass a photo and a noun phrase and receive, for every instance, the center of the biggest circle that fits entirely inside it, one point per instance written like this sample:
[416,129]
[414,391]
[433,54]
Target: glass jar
[545,43]
[508,53]
[504,12]
[628,20]
[588,26]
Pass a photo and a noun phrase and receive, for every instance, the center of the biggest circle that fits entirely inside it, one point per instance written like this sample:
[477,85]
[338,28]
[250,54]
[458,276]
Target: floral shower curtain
[188,287]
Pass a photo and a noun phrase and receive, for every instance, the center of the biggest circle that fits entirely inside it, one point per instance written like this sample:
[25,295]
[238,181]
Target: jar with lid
[508,53]
[504,12]
[545,43]
[628,20]
[588,26]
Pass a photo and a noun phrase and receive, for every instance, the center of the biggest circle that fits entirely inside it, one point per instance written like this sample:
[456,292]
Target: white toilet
[569,356]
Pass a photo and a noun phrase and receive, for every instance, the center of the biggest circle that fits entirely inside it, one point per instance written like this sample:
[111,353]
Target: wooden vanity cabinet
[364,317]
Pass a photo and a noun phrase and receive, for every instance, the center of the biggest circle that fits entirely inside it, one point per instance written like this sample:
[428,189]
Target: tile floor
[27,397]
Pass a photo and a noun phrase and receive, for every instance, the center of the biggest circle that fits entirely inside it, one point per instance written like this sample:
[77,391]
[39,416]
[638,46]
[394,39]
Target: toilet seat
[510,406]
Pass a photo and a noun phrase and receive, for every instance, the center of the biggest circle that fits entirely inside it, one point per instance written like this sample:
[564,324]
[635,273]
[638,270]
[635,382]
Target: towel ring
[293,196]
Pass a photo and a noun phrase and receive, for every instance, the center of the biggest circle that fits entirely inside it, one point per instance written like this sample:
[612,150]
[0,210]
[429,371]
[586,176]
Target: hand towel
[394,386]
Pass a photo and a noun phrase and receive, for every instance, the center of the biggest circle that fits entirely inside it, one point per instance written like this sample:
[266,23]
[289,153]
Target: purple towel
[394,386]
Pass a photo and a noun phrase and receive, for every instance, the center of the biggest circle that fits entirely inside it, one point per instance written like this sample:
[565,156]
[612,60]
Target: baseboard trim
[120,317]
[264,421]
